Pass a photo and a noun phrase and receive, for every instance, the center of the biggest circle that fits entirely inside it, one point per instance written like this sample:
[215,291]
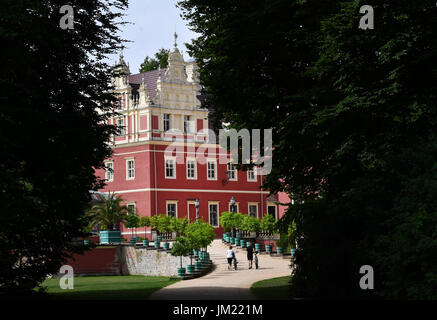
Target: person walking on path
[256,259]
[230,256]
[250,254]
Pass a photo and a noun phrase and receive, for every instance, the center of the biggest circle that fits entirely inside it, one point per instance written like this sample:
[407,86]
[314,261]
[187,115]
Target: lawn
[108,287]
[272,289]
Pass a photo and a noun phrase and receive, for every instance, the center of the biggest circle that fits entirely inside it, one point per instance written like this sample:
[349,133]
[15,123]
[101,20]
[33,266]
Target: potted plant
[154,224]
[132,221]
[181,247]
[231,221]
[268,224]
[144,222]
[165,226]
[109,213]
[201,234]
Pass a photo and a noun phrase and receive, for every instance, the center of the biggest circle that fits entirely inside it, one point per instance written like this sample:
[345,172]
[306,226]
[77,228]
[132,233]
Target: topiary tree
[231,221]
[179,225]
[164,223]
[268,224]
[154,222]
[251,224]
[181,247]
[200,233]
[132,221]
[144,221]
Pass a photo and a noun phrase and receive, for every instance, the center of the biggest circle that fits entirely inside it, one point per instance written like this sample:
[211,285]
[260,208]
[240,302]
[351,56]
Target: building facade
[164,158]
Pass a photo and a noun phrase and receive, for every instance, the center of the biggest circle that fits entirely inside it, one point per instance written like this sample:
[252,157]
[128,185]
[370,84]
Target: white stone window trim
[173,159]
[217,203]
[109,171]
[208,161]
[175,202]
[195,168]
[128,177]
[249,204]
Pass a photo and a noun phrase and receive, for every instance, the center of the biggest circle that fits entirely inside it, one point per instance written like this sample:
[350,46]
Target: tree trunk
[181,262]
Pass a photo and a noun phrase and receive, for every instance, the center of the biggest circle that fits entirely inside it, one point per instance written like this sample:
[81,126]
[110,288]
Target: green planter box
[133,240]
[268,248]
[238,234]
[197,266]
[110,236]
[195,252]
[258,246]
[181,272]
[232,240]
[157,243]
[243,243]
[293,252]
[190,268]
[146,243]
[279,250]
[237,241]
[159,238]
[166,245]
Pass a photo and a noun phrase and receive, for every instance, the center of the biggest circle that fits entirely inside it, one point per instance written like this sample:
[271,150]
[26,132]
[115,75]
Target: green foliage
[250,224]
[200,233]
[55,82]
[160,61]
[109,212]
[132,221]
[164,223]
[182,247]
[353,117]
[230,220]
[154,222]
[144,221]
[268,223]
[179,225]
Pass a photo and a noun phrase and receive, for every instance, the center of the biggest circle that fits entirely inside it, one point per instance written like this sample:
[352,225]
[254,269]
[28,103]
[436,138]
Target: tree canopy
[159,61]
[53,81]
[353,116]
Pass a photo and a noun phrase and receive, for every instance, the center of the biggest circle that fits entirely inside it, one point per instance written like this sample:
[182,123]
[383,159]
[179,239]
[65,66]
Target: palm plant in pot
[132,222]
[108,213]
[268,224]
[154,224]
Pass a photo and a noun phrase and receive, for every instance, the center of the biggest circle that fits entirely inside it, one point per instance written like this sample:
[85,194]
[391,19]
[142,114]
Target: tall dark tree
[160,61]
[53,81]
[353,115]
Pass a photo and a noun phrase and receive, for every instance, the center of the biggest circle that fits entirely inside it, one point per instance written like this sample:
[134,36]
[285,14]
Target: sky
[153,24]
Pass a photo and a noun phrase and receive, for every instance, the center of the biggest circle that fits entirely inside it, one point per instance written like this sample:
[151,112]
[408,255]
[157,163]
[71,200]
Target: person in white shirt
[230,256]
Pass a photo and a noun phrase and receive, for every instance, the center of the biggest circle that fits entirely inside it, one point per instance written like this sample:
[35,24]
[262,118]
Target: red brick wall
[96,261]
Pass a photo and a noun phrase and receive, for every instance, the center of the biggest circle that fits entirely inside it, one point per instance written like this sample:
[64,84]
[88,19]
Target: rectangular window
[251,175]
[187,122]
[172,209]
[271,209]
[131,208]
[130,172]
[253,210]
[232,172]
[170,169]
[109,171]
[120,127]
[211,170]
[237,207]
[166,122]
[191,169]
[213,215]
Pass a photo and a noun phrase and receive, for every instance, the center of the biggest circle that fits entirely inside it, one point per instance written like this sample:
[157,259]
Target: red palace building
[158,109]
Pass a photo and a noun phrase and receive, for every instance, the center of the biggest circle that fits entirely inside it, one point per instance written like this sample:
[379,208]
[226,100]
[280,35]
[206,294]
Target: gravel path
[224,284]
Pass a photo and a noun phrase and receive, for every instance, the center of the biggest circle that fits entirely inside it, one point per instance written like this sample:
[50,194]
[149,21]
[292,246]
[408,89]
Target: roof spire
[175,39]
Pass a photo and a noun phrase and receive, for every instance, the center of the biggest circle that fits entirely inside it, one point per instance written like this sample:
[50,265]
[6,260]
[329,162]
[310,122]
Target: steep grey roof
[150,78]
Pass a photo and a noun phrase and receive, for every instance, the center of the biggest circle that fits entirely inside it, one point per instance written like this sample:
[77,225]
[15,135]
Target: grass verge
[107,287]
[272,289]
